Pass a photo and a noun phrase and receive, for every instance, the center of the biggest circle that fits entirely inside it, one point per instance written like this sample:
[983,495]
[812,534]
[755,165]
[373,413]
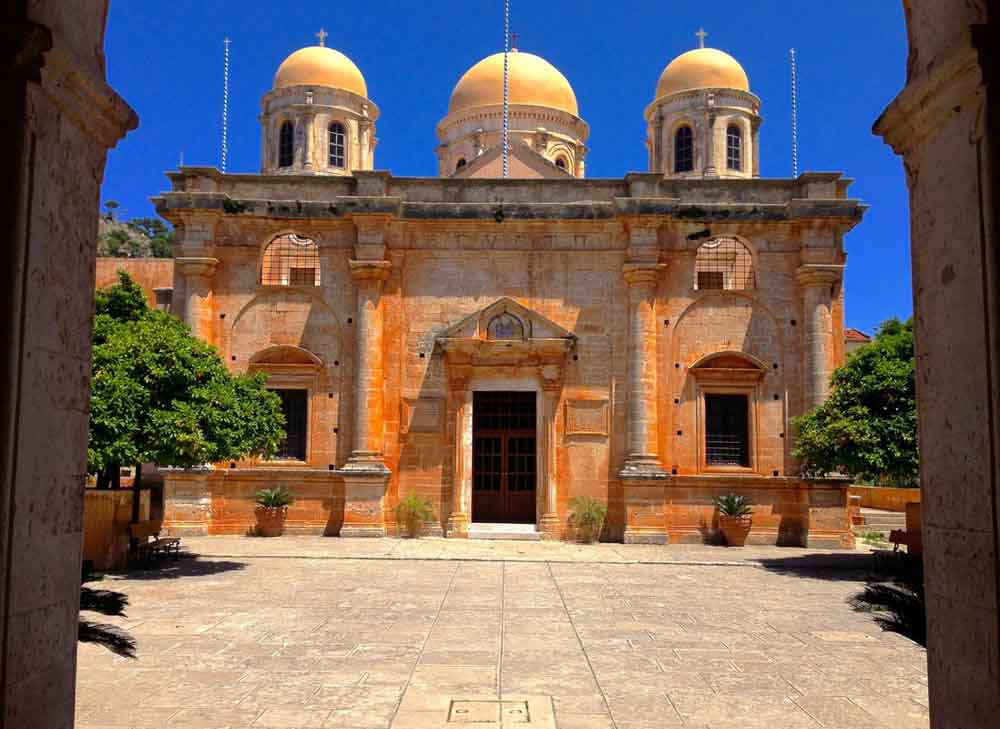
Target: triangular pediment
[525,164]
[505,315]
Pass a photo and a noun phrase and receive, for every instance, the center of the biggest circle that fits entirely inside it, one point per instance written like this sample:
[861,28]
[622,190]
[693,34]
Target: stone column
[710,168]
[816,283]
[549,525]
[197,273]
[308,137]
[365,474]
[755,137]
[461,482]
[642,476]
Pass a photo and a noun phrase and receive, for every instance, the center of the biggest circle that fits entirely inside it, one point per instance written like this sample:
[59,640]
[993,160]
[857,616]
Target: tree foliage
[161,395]
[868,427]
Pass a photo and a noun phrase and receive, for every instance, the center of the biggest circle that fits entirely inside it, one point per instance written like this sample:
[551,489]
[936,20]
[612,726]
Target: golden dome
[702,68]
[533,81]
[321,66]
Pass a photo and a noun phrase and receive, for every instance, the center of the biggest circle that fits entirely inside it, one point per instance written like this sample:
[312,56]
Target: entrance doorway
[504,463]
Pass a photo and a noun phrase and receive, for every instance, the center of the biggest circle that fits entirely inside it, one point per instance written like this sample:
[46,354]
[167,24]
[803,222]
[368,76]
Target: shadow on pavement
[188,565]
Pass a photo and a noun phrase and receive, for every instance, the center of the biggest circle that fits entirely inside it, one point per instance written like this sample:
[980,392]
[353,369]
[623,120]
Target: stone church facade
[501,346]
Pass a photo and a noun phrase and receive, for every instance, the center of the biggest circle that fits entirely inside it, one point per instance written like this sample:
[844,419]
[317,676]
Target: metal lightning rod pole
[506,88]
[225,107]
[795,116]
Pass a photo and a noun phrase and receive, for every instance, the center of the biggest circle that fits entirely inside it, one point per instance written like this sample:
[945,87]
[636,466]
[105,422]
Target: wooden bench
[142,531]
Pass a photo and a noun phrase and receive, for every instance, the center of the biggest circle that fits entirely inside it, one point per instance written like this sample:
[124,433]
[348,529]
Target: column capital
[643,273]
[819,275]
[196,266]
[370,270]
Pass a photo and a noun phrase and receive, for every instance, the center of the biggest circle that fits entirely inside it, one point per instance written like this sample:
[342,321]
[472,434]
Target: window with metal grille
[684,150]
[286,145]
[291,261]
[734,148]
[724,263]
[727,430]
[338,146]
[295,407]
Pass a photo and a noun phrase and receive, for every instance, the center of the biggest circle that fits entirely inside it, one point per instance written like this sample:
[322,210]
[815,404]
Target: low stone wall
[106,516]
[786,511]
[211,502]
[885,498]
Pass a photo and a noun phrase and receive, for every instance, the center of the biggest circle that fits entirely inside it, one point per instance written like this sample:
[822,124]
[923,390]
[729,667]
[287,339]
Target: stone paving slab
[432,634]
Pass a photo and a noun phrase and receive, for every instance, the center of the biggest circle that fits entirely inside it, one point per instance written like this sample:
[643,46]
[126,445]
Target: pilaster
[817,283]
[197,273]
[549,524]
[461,484]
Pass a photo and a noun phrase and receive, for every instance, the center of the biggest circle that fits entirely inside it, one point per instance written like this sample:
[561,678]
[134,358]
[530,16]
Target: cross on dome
[322,37]
[702,35]
[514,37]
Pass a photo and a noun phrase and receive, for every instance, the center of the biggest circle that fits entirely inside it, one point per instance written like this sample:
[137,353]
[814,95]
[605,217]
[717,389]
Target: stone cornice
[90,102]
[931,99]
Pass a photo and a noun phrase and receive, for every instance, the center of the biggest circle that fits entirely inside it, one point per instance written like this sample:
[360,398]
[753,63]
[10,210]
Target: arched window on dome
[684,149]
[461,163]
[291,260]
[338,145]
[286,145]
[724,264]
[561,163]
[734,148]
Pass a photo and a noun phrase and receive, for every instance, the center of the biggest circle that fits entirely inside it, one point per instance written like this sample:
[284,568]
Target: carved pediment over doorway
[506,333]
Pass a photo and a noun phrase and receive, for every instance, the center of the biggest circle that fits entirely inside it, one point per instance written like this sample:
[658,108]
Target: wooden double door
[504,457]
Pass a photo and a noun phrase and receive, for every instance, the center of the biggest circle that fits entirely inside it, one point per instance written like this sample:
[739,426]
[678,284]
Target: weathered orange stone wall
[149,273]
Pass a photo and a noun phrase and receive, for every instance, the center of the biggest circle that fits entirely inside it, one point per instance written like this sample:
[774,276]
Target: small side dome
[533,82]
[321,66]
[702,68]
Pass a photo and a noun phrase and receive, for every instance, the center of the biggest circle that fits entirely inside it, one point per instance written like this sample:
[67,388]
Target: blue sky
[166,60]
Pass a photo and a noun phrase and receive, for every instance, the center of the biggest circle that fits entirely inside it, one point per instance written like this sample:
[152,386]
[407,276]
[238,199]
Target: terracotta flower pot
[270,520]
[735,529]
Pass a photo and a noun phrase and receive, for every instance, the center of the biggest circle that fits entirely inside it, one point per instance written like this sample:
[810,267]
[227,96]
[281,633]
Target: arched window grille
[724,264]
[561,162]
[461,163]
[286,145]
[291,260]
[684,150]
[338,146]
[734,148]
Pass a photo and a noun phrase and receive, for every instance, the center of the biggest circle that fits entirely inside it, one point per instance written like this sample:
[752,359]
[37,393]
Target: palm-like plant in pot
[412,512]
[587,515]
[271,510]
[734,518]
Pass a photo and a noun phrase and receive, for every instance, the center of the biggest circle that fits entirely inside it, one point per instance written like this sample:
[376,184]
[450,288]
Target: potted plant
[587,515]
[734,518]
[412,512]
[271,510]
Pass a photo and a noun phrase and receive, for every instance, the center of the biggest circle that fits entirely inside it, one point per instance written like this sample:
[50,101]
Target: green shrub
[733,505]
[413,511]
[275,498]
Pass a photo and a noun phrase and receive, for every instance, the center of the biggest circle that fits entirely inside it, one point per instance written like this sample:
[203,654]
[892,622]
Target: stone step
[505,532]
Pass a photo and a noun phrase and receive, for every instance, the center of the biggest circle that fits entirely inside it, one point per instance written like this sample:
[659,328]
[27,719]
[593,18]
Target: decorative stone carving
[587,417]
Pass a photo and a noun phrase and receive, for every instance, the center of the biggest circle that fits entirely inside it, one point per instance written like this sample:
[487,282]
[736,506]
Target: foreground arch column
[59,117]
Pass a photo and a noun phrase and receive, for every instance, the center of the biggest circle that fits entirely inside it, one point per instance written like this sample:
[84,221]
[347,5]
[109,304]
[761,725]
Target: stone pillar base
[645,503]
[458,526]
[365,481]
[550,527]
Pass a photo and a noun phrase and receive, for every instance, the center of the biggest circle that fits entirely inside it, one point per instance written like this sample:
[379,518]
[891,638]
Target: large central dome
[533,82]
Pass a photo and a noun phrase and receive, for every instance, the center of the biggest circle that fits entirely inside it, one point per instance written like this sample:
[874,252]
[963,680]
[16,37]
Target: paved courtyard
[311,632]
